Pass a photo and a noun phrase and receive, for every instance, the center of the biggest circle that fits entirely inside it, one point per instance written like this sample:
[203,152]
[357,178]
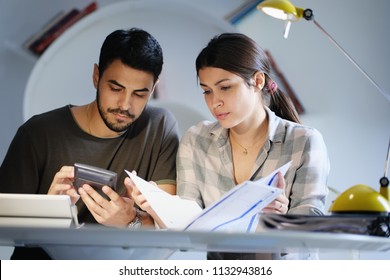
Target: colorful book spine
[53,33]
[45,29]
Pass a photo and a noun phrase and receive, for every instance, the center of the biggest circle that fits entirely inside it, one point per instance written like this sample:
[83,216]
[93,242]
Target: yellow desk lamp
[363,199]
[359,198]
[284,10]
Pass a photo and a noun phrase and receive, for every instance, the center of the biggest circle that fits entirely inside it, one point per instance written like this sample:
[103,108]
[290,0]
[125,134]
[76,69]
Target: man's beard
[117,127]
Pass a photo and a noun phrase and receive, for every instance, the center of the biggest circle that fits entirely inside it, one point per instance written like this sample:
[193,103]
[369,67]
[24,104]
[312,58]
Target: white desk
[100,242]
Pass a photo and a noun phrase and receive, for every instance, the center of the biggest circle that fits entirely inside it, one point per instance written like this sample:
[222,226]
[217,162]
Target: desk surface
[167,242]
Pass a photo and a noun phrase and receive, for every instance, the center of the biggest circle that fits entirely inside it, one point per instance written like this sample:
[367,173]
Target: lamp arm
[385,94]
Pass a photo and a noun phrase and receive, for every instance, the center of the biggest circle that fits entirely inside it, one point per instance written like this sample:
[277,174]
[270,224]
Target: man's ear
[95,76]
[259,79]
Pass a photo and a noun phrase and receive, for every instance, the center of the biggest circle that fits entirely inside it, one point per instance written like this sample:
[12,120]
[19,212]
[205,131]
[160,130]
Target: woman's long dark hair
[239,54]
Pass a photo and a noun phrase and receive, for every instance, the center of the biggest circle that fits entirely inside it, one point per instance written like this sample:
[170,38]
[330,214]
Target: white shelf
[20,51]
[181,28]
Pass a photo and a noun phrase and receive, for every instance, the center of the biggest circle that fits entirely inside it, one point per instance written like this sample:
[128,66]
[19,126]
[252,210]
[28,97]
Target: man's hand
[116,212]
[63,183]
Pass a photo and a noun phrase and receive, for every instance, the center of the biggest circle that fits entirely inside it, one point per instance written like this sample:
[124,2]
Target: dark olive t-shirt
[53,139]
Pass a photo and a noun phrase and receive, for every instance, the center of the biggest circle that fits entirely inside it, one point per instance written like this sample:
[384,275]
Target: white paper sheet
[236,211]
[173,211]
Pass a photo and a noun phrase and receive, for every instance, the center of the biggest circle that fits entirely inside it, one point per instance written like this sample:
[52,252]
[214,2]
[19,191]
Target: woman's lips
[221,116]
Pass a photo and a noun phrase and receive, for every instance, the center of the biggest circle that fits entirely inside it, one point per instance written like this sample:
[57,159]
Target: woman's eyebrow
[217,83]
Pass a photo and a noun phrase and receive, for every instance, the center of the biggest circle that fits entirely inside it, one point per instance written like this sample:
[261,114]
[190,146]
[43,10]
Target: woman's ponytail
[279,102]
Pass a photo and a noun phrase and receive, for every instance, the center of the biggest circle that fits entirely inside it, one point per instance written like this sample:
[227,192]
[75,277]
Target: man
[116,131]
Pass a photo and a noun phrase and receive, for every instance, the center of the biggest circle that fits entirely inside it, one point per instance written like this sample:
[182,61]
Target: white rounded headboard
[63,74]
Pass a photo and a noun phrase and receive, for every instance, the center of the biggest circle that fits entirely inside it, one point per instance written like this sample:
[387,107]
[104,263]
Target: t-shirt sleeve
[165,169]
[19,171]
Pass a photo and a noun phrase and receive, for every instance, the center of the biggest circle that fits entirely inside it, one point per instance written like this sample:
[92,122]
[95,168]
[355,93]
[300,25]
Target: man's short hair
[135,48]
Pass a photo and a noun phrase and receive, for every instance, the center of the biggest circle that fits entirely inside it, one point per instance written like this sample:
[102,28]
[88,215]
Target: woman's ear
[259,79]
[95,75]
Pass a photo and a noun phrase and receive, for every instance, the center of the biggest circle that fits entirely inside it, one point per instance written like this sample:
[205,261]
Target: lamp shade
[284,10]
[280,9]
[360,199]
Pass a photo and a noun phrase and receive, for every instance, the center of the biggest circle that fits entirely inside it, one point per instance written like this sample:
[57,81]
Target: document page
[236,211]
[173,211]
[239,207]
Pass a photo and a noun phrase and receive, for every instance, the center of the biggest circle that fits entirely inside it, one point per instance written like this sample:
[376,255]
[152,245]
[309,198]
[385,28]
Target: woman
[257,131]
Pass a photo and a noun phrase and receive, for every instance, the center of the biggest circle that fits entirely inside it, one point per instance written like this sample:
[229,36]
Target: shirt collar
[275,129]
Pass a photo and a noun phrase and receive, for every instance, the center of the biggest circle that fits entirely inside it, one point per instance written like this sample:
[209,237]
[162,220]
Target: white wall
[19,19]
[352,115]
[339,101]
[62,74]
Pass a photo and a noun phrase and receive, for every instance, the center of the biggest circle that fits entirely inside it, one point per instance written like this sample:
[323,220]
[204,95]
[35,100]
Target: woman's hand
[280,204]
[141,201]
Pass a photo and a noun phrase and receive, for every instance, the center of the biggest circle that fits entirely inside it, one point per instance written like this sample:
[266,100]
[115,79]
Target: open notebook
[37,210]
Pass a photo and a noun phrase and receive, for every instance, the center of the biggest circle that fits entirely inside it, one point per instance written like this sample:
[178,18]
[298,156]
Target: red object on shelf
[72,17]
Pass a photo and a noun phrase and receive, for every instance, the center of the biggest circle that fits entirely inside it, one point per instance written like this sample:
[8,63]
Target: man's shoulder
[156,114]
[54,116]
[156,110]
[49,115]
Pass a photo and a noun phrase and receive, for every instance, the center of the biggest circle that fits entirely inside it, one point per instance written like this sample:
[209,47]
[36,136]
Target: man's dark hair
[135,48]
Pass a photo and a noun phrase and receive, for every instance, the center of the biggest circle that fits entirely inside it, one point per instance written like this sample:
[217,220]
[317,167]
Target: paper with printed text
[236,211]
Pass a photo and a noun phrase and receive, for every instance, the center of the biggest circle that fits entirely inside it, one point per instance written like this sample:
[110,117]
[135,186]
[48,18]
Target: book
[53,27]
[70,18]
[236,211]
[46,27]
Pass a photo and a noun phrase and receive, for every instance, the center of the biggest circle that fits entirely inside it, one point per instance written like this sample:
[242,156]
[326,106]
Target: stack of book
[40,41]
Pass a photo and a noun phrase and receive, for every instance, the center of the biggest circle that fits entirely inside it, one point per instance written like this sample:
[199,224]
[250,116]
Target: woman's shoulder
[204,127]
[200,139]
[202,132]
[281,130]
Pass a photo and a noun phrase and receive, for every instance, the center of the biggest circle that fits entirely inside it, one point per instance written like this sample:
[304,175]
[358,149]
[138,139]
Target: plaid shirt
[205,166]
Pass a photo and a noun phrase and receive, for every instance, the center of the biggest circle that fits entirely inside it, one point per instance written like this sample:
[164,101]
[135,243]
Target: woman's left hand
[280,204]
[141,201]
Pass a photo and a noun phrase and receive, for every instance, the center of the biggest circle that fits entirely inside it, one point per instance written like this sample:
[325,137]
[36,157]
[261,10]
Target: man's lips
[121,116]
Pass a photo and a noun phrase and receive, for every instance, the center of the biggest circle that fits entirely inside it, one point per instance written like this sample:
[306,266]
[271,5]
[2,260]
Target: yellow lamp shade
[360,199]
[281,9]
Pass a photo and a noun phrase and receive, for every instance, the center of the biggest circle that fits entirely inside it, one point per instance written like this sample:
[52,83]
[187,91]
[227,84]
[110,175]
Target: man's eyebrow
[142,90]
[122,86]
[218,82]
[116,83]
